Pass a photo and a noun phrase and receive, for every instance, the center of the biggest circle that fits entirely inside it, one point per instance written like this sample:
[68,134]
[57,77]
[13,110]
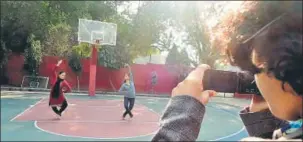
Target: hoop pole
[93,70]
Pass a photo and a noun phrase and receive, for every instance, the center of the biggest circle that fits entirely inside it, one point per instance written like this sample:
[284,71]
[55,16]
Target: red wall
[15,69]
[166,80]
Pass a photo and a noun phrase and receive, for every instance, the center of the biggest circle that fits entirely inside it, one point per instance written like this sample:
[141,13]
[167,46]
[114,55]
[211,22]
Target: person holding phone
[59,87]
[129,91]
[274,55]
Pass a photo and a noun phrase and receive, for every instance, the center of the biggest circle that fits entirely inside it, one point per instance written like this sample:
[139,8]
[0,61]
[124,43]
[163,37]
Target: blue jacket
[129,90]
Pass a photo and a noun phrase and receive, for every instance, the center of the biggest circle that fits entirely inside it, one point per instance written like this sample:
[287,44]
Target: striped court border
[86,92]
[76,91]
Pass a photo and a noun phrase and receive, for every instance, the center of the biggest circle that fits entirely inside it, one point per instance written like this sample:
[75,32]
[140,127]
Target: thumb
[212,93]
[205,96]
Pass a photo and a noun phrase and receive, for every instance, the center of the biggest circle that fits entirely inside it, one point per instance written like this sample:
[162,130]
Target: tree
[178,62]
[52,29]
[74,63]
[33,56]
[16,34]
[172,57]
[147,25]
[3,54]
[83,50]
[3,61]
[165,42]
[184,58]
[193,22]
[57,40]
[113,57]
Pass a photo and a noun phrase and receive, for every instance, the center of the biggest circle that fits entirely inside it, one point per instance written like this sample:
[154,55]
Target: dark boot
[130,114]
[55,109]
[124,114]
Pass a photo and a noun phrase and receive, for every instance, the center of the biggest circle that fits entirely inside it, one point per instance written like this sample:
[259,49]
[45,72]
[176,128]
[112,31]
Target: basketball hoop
[97,41]
[96,33]
[89,31]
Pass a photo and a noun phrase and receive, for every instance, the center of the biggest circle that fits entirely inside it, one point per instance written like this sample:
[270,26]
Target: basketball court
[27,117]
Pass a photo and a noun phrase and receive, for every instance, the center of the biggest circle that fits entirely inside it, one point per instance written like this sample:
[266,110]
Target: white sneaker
[62,113]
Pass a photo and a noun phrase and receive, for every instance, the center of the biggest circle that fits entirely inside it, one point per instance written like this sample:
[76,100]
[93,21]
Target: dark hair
[128,76]
[279,46]
[61,72]
[56,87]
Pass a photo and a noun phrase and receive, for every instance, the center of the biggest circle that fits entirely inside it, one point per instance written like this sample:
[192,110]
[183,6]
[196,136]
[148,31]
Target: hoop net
[89,31]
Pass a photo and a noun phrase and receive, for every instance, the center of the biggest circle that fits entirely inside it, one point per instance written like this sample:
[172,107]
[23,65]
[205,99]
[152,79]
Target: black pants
[63,107]
[128,105]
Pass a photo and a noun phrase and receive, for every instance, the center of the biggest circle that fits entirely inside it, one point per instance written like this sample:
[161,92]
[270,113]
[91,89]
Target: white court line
[79,121]
[35,123]
[86,94]
[76,105]
[218,139]
[141,107]
[233,134]
[30,107]
[54,133]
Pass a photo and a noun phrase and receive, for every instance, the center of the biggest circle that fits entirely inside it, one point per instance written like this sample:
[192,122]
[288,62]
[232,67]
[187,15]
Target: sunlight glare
[230,6]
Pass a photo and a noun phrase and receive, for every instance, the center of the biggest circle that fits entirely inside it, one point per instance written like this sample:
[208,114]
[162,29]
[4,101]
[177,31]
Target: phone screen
[230,82]
[220,81]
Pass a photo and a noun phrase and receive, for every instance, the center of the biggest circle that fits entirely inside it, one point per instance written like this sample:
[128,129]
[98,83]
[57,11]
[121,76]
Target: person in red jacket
[59,87]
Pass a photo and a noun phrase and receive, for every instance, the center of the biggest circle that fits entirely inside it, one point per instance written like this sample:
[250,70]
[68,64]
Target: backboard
[90,30]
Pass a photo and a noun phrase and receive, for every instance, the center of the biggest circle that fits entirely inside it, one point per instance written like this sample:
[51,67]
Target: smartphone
[230,82]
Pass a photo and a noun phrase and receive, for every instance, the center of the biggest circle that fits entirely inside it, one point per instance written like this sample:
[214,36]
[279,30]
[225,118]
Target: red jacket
[64,88]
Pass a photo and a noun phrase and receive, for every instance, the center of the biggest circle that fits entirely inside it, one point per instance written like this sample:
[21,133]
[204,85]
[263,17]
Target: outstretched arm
[184,113]
[181,120]
[54,72]
[130,73]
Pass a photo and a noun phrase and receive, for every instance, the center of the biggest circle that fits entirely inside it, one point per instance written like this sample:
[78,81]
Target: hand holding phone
[192,86]
[229,82]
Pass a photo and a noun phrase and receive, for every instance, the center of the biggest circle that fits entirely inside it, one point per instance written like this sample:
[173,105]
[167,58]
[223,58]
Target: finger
[198,73]
[212,93]
[204,98]
[209,93]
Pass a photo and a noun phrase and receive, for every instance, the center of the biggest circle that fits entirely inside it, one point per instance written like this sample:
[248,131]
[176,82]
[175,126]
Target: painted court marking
[65,121]
[79,121]
[54,133]
[76,121]
[232,134]
[85,94]
[109,106]
[30,107]
[228,136]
